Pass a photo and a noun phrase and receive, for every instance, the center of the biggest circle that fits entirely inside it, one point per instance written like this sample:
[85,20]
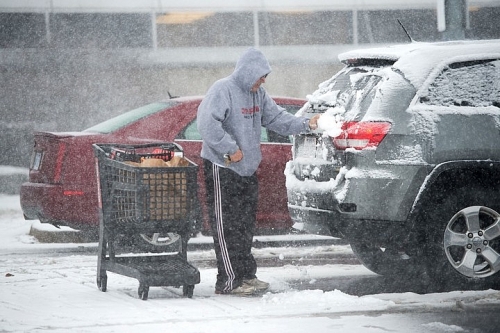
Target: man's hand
[236,157]
[313,122]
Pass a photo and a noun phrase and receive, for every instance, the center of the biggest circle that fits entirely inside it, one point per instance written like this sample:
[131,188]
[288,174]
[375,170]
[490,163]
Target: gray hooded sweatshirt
[230,116]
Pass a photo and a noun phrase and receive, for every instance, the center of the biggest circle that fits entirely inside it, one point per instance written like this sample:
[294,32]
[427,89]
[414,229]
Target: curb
[61,236]
[68,235]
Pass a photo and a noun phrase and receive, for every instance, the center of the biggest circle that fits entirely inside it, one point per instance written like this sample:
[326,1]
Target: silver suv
[405,164]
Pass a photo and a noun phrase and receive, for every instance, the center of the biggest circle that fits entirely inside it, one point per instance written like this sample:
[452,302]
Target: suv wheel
[470,239]
[466,237]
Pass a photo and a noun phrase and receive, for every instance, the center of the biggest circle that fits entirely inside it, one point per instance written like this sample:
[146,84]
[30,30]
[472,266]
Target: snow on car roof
[416,60]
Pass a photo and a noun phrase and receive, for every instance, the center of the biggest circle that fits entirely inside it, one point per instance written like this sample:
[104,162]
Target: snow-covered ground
[52,287]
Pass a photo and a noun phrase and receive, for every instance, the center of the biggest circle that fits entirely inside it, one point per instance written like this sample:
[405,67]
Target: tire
[463,237]
[102,283]
[383,261]
[143,292]
[188,291]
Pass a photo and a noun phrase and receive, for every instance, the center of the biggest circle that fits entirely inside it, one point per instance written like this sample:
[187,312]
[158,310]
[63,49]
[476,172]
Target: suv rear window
[472,83]
[352,89]
[129,117]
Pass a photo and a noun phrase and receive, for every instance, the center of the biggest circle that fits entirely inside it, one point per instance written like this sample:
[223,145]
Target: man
[229,121]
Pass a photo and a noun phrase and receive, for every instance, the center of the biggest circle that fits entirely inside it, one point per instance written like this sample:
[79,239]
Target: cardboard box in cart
[148,199]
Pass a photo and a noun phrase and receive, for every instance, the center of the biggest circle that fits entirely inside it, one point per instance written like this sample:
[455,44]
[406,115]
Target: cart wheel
[102,283]
[143,292]
[188,290]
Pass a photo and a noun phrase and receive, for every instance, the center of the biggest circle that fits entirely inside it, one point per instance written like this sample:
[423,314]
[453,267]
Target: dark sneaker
[244,290]
[257,284]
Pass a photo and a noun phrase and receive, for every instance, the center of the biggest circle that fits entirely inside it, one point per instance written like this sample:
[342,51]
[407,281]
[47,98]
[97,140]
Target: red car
[62,188]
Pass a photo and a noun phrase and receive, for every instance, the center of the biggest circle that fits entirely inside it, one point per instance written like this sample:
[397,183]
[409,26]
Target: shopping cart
[147,215]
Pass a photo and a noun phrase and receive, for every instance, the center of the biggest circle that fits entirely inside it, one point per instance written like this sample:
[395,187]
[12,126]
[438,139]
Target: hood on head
[251,66]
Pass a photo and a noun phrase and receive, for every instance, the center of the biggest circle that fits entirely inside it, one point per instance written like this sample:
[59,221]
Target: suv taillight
[359,135]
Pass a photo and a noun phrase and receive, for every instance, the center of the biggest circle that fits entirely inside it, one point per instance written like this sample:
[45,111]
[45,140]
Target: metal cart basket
[145,213]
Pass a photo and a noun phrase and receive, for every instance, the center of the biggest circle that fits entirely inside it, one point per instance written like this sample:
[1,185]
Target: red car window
[114,124]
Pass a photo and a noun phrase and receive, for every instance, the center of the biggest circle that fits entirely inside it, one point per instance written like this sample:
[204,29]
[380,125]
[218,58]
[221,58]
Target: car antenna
[406,31]
[170,96]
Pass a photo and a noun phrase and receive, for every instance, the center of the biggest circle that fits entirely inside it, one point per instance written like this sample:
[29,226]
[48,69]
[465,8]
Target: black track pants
[232,202]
